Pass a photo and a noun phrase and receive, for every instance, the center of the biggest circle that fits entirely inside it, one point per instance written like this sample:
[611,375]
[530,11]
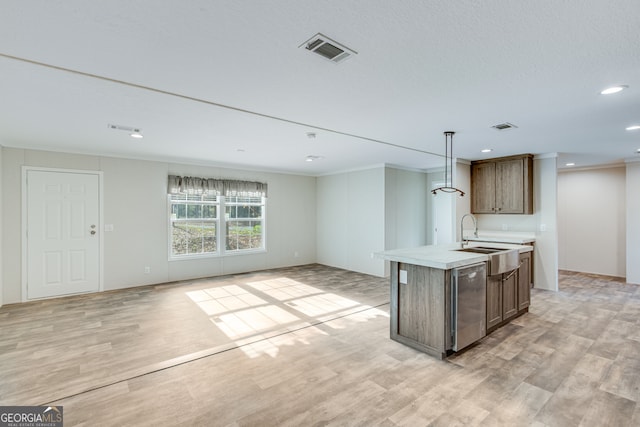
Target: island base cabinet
[509,294]
[524,281]
[420,308]
[494,301]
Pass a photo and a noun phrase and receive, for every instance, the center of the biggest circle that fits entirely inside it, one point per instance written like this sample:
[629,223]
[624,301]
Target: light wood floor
[309,346]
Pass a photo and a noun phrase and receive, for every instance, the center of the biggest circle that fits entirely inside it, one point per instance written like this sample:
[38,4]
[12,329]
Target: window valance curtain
[218,187]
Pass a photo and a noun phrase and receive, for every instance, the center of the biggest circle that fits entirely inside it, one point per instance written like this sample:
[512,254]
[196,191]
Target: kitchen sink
[480,250]
[500,260]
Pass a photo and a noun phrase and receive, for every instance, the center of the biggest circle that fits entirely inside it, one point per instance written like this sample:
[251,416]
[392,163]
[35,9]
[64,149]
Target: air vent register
[327,48]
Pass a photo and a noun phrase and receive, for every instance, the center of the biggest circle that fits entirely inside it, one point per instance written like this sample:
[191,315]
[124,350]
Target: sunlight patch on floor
[257,310]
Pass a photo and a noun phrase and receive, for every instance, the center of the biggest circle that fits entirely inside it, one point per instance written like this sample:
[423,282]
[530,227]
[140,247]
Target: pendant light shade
[448,167]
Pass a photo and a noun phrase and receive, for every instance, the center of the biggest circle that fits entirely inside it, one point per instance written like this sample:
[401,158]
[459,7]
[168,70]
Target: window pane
[179,238]
[178,211]
[232,212]
[194,211]
[255,212]
[256,234]
[209,212]
[243,211]
[193,237]
[233,236]
[244,235]
[209,237]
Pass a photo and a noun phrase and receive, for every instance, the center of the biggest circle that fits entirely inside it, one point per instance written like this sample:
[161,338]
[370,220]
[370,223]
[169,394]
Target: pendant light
[448,167]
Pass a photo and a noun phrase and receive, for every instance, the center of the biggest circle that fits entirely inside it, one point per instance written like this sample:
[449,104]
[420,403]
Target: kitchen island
[425,308]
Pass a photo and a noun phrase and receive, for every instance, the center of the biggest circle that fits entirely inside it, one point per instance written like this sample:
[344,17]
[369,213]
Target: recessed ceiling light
[136,134]
[311,158]
[486,150]
[634,127]
[613,89]
[570,164]
[240,150]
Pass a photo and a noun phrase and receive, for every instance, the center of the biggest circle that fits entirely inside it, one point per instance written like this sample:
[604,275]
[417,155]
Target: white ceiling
[204,79]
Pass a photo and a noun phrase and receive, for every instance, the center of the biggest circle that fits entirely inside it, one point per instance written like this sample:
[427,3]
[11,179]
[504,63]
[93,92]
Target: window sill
[217,255]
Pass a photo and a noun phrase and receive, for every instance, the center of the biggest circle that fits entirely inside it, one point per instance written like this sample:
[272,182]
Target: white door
[442,217]
[63,236]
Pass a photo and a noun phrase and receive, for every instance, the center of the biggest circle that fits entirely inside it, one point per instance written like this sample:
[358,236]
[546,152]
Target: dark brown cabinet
[421,308]
[494,301]
[502,185]
[524,281]
[508,294]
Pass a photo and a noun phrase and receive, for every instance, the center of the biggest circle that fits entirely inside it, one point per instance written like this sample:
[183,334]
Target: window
[204,222]
[243,223]
[194,224]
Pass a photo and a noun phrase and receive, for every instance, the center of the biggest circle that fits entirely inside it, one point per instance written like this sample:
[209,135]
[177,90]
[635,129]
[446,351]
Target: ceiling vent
[133,132]
[124,128]
[504,126]
[327,48]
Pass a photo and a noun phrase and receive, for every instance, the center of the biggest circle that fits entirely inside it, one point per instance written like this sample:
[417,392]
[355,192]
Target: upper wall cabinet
[502,186]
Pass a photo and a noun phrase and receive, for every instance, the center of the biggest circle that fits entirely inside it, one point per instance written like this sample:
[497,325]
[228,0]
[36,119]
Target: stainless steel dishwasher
[468,305]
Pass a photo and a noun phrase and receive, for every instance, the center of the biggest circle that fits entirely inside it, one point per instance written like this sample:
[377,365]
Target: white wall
[350,220]
[135,202]
[433,177]
[1,227]
[544,216]
[406,209]
[406,195]
[368,211]
[460,205]
[462,182]
[591,221]
[633,222]
[546,199]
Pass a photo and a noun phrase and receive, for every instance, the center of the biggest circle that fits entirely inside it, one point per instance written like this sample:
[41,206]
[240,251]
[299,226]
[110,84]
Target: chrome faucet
[475,228]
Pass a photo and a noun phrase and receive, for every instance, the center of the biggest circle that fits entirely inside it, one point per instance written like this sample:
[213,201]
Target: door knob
[93,232]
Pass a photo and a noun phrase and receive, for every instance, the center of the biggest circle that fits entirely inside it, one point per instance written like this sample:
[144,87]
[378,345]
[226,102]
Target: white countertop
[444,257]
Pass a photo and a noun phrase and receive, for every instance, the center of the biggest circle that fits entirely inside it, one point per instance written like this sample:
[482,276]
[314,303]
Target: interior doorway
[62,232]
[442,214]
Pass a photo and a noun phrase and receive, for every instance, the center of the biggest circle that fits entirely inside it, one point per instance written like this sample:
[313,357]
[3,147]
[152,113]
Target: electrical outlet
[295,254]
[543,227]
[147,270]
[505,227]
[403,277]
